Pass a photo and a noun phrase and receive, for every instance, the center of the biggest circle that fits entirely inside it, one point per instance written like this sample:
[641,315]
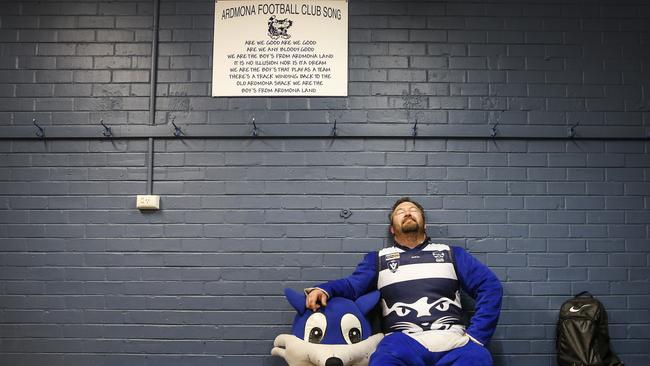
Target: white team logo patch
[439,256]
[392,265]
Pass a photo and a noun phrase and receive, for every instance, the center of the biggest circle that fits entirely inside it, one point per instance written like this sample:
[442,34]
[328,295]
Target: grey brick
[608,274]
[91,76]
[472,231]
[506,260]
[626,260]
[527,217]
[547,260]
[471,89]
[566,217]
[463,202]
[447,187]
[504,202]
[365,188]
[627,231]
[95,49]
[568,188]
[508,174]
[587,259]
[90,21]
[407,75]
[447,159]
[527,245]
[588,203]
[132,76]
[527,160]
[604,217]
[506,231]
[546,174]
[549,230]
[411,188]
[446,76]
[389,35]
[551,288]
[487,187]
[468,117]
[368,49]
[117,9]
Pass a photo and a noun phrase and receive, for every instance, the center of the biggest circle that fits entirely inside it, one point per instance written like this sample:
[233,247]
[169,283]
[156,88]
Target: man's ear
[296,299]
[390,228]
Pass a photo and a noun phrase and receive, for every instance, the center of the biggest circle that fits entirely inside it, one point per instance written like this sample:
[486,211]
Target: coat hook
[495,130]
[107,130]
[177,130]
[572,130]
[414,130]
[334,130]
[40,132]
[255,130]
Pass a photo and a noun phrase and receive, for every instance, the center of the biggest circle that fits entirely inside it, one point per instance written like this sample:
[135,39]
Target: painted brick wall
[86,279]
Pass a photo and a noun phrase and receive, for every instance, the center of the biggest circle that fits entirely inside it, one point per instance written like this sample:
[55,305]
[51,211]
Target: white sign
[284,48]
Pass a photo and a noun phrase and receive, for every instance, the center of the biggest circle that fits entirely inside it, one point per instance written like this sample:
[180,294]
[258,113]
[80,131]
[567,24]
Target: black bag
[582,338]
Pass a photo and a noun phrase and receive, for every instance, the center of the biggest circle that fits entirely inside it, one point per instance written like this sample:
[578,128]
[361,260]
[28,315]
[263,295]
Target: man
[419,283]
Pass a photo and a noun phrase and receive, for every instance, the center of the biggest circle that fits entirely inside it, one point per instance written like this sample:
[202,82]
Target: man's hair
[402,200]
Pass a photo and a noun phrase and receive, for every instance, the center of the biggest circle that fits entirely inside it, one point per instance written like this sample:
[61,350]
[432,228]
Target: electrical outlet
[148,202]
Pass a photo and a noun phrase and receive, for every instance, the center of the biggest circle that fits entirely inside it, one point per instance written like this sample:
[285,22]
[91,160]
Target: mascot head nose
[333,361]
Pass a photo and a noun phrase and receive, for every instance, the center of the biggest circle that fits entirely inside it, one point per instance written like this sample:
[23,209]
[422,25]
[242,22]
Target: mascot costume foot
[338,334]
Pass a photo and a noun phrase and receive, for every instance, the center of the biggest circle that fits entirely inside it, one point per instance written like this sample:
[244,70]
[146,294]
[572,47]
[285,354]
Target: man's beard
[410,226]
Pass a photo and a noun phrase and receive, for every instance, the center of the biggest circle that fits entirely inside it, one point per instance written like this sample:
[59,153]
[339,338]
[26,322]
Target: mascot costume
[338,334]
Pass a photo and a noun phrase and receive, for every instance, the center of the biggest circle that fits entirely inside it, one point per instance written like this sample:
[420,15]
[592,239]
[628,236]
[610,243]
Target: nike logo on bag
[574,310]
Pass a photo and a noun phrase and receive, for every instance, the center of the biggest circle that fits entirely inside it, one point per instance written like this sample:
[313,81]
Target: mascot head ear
[367,301]
[296,299]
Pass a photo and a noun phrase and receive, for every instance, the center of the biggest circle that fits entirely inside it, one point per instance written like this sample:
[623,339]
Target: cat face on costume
[422,308]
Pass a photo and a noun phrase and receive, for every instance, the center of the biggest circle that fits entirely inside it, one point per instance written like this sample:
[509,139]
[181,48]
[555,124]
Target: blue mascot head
[338,334]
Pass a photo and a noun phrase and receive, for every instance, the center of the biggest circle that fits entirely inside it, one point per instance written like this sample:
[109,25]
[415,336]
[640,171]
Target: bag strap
[584,294]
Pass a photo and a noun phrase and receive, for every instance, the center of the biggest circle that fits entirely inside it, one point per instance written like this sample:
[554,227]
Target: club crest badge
[439,256]
[393,265]
[278,28]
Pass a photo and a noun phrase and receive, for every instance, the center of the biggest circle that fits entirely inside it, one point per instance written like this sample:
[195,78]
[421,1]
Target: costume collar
[427,241]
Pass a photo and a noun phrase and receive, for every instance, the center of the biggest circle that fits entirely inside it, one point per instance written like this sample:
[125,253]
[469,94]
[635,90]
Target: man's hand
[315,299]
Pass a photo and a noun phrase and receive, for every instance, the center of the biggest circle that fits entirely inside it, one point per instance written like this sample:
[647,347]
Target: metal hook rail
[348,130]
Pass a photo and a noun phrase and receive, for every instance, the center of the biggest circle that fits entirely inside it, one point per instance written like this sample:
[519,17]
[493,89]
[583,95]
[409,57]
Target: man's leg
[398,349]
[471,354]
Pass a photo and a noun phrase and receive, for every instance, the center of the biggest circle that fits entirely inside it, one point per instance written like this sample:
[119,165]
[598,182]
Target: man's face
[407,219]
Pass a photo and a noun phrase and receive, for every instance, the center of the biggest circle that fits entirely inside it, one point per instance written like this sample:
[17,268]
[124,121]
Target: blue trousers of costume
[398,349]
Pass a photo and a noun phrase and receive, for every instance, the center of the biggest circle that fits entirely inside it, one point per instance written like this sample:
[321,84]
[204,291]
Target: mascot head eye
[351,328]
[315,335]
[442,304]
[315,328]
[402,310]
